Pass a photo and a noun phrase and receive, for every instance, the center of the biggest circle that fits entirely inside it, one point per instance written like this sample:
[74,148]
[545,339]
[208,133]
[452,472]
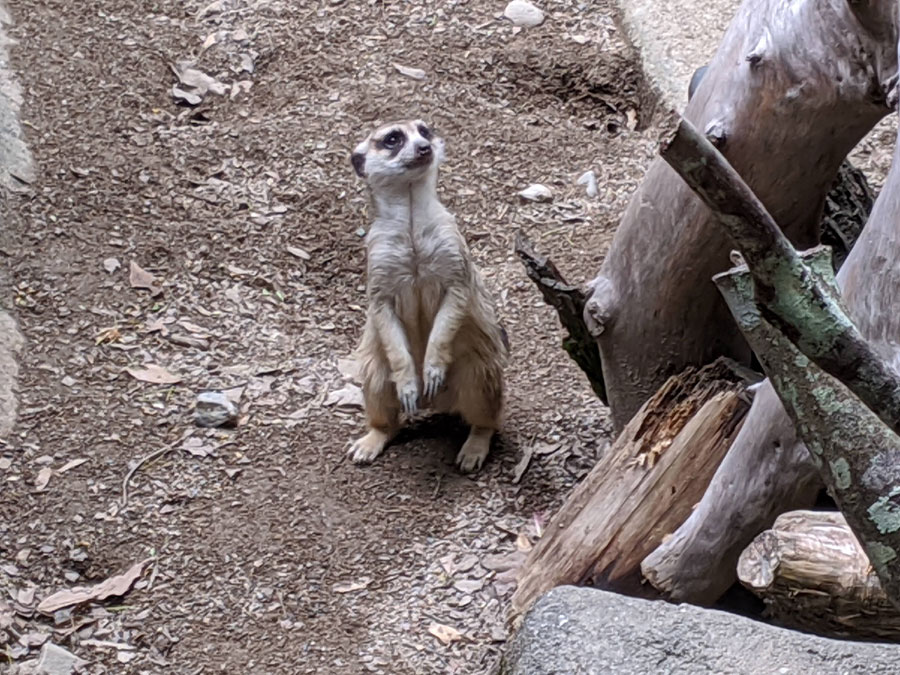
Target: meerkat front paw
[364,450]
[434,376]
[408,394]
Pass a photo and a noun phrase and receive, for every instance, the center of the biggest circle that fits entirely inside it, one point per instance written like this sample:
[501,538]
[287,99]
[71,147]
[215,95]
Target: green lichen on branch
[844,436]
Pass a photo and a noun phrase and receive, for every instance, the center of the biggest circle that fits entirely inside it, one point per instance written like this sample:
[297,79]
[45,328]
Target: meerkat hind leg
[475,450]
[367,448]
[383,418]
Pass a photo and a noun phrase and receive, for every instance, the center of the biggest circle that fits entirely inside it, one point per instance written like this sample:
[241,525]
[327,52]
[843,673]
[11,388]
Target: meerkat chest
[404,258]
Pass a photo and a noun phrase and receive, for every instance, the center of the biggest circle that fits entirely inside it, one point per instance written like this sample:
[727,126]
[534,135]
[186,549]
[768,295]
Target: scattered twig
[153,455]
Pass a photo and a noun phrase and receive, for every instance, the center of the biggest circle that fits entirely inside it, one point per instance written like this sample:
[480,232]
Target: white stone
[537,193]
[523,13]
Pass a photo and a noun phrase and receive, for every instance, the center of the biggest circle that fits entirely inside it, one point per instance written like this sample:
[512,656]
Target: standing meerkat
[431,336]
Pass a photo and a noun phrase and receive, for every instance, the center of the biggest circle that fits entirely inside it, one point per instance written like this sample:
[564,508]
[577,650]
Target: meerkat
[431,338]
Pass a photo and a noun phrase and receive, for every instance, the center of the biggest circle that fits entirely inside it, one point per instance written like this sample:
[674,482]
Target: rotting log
[644,485]
[813,575]
[568,301]
[770,99]
[772,466]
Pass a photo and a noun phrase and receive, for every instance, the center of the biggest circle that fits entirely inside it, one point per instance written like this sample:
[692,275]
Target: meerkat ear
[358,160]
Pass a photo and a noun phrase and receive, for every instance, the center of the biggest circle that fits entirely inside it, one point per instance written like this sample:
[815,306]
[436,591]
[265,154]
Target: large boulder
[582,631]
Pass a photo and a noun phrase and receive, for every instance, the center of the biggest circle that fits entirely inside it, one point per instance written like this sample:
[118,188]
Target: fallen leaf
[349,396]
[68,466]
[153,374]
[43,477]
[413,73]
[351,586]
[26,595]
[298,253]
[468,586]
[522,465]
[446,634]
[112,587]
[141,278]
[111,264]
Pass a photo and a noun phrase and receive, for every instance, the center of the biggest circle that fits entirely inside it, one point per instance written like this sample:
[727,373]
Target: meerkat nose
[423,150]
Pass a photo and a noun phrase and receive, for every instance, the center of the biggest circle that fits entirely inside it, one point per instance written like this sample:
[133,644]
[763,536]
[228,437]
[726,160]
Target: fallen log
[813,575]
[643,487]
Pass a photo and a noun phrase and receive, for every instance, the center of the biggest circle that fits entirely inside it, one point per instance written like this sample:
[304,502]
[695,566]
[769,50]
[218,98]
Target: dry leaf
[114,586]
[523,543]
[522,466]
[43,477]
[350,396]
[298,252]
[68,466]
[351,586]
[446,634]
[406,71]
[153,374]
[141,278]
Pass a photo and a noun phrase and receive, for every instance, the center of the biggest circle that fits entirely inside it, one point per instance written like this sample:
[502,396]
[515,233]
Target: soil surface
[175,242]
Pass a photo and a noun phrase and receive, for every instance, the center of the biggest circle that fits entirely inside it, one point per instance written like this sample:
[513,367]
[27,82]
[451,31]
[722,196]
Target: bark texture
[771,467]
[770,101]
[813,575]
[645,484]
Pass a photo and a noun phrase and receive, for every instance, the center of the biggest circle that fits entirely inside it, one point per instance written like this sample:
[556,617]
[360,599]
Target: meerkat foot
[434,377]
[475,450]
[364,450]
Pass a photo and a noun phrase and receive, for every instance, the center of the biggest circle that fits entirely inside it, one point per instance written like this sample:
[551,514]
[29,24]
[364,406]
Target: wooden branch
[568,301]
[847,208]
[813,575]
[856,454]
[790,297]
[644,486]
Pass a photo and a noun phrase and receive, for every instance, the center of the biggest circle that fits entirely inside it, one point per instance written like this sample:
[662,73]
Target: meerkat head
[400,151]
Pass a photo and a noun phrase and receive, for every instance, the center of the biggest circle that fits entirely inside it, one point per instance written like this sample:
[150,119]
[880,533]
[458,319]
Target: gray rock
[215,409]
[55,660]
[585,631]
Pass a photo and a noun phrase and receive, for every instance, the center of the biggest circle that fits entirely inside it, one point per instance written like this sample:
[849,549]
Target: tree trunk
[769,97]
[644,485]
[813,575]
[697,564]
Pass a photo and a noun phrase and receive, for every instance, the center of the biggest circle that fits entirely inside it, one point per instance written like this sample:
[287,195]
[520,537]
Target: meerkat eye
[425,132]
[393,140]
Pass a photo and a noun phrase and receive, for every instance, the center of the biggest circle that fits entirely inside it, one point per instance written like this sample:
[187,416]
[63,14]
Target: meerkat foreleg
[438,351]
[396,347]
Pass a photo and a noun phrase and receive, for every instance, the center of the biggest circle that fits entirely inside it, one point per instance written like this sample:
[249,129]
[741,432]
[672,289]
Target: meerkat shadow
[450,432]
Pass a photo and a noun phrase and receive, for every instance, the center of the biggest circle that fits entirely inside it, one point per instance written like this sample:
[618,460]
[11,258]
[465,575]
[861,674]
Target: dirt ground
[265,551]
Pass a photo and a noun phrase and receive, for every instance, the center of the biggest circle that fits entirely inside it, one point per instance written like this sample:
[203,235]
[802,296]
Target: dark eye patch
[425,132]
[392,141]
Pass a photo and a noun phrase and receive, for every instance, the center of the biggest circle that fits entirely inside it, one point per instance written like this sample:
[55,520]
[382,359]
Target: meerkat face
[400,151]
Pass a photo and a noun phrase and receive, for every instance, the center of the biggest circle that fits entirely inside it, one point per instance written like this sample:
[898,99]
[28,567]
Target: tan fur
[431,335]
